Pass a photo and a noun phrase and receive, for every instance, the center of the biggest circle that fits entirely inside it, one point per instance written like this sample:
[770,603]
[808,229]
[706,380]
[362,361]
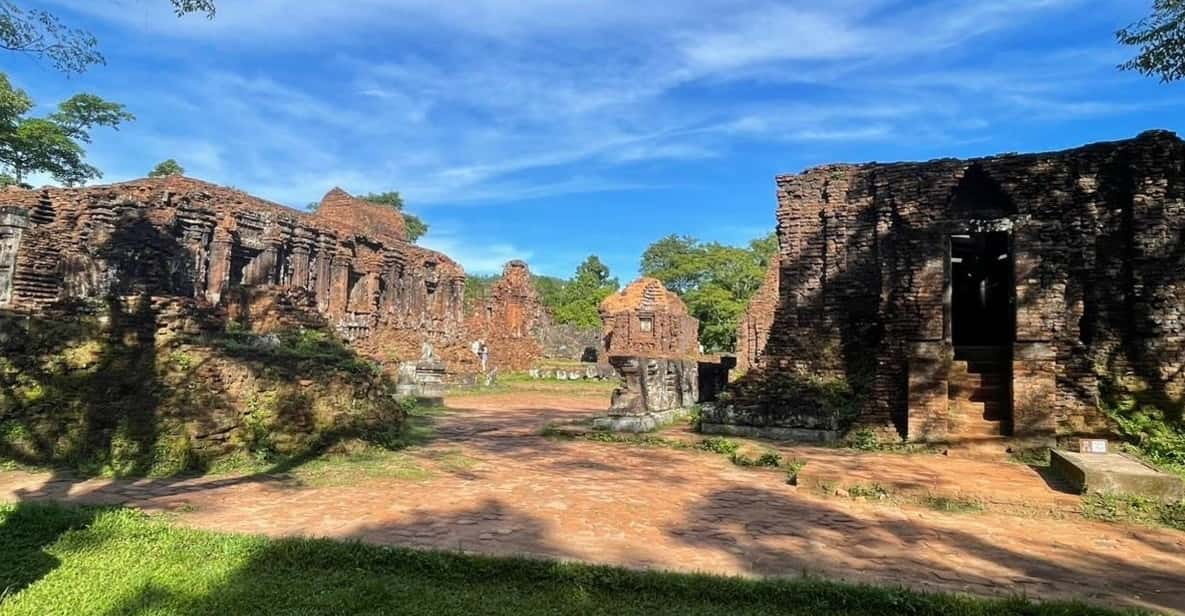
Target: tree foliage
[42,35]
[715,280]
[416,228]
[166,168]
[52,144]
[579,301]
[1160,38]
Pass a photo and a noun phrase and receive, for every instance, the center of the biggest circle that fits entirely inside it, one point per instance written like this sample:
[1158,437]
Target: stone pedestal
[1113,473]
[654,392]
[423,380]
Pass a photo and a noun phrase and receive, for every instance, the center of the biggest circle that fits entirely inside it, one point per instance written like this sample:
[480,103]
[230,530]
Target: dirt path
[676,509]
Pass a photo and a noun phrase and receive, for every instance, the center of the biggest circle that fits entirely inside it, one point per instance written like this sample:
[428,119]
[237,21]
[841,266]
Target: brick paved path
[683,510]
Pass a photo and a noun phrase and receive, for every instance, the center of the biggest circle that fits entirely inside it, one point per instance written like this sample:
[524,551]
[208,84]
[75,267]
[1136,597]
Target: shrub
[793,468]
[770,459]
[873,491]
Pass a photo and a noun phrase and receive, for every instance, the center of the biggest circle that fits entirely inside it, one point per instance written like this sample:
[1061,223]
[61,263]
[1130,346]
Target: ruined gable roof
[343,212]
[644,295]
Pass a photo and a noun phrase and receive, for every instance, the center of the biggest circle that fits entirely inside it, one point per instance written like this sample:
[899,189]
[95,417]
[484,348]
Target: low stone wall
[592,372]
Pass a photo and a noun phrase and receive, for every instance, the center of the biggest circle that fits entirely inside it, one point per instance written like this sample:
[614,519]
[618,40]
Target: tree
[715,280]
[673,260]
[765,248]
[42,35]
[578,302]
[52,144]
[166,168]
[1160,38]
[416,227]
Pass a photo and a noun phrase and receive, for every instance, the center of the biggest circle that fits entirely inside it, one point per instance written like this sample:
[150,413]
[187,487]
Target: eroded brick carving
[12,224]
[349,263]
[754,329]
[1097,242]
[646,319]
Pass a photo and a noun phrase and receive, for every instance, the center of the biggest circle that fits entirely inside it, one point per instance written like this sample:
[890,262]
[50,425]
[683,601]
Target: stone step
[972,410]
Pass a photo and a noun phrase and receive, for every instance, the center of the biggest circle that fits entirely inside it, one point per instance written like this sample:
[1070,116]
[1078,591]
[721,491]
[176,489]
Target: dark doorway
[982,290]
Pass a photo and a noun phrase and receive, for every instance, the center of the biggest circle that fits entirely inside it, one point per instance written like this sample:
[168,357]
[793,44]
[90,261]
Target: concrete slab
[1115,473]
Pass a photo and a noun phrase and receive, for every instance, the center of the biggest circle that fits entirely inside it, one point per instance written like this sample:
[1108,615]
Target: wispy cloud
[490,101]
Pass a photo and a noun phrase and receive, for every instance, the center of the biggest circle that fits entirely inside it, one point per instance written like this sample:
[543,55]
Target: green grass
[1133,509]
[523,383]
[118,561]
[953,504]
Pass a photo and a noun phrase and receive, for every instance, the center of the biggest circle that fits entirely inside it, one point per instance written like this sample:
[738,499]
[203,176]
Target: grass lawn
[521,382]
[57,560]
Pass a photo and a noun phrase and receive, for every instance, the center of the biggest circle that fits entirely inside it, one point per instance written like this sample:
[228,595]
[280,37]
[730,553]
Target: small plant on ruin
[696,418]
[794,466]
[720,445]
[954,504]
[864,439]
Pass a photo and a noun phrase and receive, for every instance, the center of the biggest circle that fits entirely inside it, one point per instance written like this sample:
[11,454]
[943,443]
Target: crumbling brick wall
[1098,239]
[510,320]
[646,319]
[753,331]
[350,263]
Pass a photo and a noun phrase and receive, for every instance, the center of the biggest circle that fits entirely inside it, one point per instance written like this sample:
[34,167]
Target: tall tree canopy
[166,168]
[416,228]
[1160,38]
[715,280]
[41,34]
[52,144]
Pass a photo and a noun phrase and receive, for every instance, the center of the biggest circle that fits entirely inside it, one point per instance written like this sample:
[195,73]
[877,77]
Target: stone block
[1115,473]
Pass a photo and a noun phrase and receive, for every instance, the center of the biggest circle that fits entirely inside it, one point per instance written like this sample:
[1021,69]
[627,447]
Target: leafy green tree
[52,144]
[42,35]
[578,302]
[550,291]
[1160,38]
[715,280]
[674,260]
[166,168]
[765,248]
[416,228]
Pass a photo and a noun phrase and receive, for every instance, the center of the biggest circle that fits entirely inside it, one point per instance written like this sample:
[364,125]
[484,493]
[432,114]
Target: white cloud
[498,100]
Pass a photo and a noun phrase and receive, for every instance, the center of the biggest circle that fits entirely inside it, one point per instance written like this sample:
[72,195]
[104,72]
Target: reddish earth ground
[521,493]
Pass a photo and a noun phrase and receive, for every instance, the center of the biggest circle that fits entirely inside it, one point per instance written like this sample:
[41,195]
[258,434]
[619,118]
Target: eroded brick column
[929,400]
[1034,389]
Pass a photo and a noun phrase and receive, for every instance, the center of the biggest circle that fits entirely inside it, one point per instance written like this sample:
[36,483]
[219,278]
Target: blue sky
[551,129]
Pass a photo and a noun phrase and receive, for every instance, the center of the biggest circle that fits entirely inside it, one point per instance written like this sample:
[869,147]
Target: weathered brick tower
[957,300]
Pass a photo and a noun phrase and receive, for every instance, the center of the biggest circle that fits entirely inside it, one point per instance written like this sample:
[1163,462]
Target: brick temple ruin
[653,343]
[957,300]
[349,265]
[510,320]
